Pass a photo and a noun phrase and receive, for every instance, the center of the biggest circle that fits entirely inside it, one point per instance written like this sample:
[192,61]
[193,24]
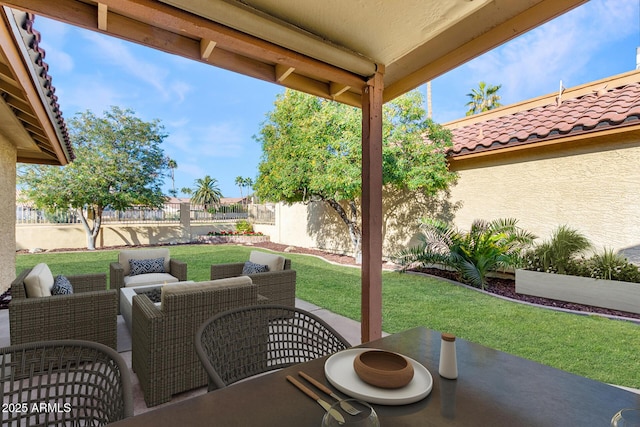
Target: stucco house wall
[7,213]
[594,190]
[561,159]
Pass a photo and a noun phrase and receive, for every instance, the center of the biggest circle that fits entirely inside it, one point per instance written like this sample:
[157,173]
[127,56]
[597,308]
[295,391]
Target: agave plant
[488,246]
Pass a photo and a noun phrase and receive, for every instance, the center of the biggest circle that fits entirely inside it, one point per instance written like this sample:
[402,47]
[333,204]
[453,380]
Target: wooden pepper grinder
[448,359]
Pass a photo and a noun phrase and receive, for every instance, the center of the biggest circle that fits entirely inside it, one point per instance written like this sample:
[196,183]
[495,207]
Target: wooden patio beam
[164,27]
[102,17]
[371,277]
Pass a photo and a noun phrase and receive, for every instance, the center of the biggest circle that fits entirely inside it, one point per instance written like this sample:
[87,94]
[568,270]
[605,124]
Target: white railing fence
[169,213]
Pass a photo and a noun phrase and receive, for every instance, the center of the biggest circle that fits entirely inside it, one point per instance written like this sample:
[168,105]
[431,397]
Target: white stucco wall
[8,155]
[596,192]
[316,225]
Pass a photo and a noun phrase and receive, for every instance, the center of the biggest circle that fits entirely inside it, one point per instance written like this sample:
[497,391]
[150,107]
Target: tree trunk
[352,224]
[94,214]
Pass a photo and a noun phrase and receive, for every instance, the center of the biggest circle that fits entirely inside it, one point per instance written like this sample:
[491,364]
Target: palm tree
[172,165]
[488,246]
[207,193]
[240,183]
[247,182]
[484,98]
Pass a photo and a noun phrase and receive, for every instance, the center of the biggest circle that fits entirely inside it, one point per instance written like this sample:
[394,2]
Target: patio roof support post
[371,276]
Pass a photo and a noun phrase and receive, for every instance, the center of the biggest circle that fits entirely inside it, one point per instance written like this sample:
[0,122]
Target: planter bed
[232,239]
[610,294]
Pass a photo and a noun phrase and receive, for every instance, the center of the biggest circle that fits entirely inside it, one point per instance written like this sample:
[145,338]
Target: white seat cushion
[149,279]
[39,281]
[273,261]
[230,282]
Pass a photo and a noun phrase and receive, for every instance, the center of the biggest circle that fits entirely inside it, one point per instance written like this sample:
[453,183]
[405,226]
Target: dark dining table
[493,388]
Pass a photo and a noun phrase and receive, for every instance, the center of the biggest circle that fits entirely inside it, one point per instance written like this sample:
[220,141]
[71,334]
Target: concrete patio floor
[350,329]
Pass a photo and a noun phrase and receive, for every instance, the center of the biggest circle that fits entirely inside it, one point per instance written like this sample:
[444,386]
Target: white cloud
[224,139]
[180,90]
[534,63]
[118,53]
[89,93]
[53,37]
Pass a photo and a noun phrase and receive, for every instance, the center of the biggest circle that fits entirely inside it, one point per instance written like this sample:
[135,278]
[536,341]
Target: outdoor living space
[330,291]
[393,230]
[349,328]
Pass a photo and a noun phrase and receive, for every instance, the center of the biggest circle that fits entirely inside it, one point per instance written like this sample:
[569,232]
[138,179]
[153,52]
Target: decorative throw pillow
[252,268]
[144,266]
[61,286]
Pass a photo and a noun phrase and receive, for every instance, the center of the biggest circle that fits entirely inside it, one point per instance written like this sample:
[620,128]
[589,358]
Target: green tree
[172,165]
[207,192]
[312,151]
[119,164]
[487,246]
[484,98]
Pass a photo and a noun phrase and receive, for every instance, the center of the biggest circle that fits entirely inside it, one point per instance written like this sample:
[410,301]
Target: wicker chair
[278,286]
[90,313]
[163,352]
[119,277]
[247,341]
[63,383]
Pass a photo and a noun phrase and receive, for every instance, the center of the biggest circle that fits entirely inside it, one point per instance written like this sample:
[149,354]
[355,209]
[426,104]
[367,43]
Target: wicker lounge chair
[278,284]
[79,382]
[120,271]
[247,341]
[90,313]
[163,354]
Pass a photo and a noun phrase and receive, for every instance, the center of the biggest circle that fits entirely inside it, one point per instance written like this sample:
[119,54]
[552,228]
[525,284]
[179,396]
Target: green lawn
[603,349]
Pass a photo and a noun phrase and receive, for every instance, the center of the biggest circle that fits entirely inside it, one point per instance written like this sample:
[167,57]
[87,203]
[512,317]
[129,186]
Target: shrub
[564,254]
[558,254]
[244,226]
[487,246]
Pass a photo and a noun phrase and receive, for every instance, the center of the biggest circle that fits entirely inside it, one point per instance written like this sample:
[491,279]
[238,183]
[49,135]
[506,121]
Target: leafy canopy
[206,193]
[312,148]
[119,163]
[484,98]
[312,151]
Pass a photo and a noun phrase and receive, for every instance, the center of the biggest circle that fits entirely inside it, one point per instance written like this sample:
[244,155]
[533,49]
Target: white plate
[339,371]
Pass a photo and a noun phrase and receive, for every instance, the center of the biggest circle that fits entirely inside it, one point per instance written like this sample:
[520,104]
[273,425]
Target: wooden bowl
[383,369]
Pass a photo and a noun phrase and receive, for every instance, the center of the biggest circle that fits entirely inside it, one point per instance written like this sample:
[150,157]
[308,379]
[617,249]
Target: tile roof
[597,110]
[37,55]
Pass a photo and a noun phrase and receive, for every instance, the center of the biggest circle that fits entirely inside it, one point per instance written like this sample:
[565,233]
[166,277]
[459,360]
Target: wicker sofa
[90,313]
[163,351]
[278,284]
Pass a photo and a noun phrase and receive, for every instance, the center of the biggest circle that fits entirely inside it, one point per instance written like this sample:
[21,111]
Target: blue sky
[211,115]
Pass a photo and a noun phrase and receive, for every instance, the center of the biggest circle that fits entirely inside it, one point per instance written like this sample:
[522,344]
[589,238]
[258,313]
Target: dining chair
[64,382]
[251,340]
